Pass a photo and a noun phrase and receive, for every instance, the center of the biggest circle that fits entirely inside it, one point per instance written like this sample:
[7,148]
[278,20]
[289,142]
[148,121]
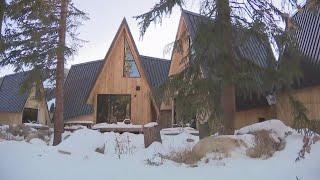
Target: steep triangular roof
[122,28]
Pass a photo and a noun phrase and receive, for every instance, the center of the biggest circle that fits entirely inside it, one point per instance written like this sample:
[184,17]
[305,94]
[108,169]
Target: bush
[265,145]
[186,156]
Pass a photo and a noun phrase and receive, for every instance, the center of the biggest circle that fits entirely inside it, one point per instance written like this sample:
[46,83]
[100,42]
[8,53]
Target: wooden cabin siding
[111,81]
[310,97]
[244,118]
[178,60]
[40,104]
[10,118]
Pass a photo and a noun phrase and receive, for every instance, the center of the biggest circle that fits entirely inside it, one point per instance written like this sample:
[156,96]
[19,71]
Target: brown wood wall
[111,81]
[310,97]
[178,61]
[244,118]
[10,118]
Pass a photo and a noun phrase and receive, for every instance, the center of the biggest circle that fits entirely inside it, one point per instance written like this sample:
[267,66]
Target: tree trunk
[2,12]
[58,120]
[228,91]
[229,109]
[151,134]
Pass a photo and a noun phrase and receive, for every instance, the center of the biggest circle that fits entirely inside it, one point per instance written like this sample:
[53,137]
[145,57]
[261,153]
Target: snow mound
[154,151]
[82,141]
[275,126]
[37,141]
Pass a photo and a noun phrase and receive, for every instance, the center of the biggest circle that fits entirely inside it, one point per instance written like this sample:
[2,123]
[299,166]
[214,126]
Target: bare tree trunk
[229,109]
[58,120]
[2,10]
[228,91]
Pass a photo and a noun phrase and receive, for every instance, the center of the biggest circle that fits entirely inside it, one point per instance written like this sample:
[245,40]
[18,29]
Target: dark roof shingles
[156,70]
[11,99]
[307,36]
[308,33]
[79,81]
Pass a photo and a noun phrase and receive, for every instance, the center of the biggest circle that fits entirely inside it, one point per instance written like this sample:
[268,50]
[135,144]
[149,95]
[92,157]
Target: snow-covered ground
[124,157]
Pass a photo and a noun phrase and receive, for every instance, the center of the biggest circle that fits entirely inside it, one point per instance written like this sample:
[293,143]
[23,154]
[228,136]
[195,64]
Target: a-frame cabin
[119,87]
[248,111]
[258,109]
[17,107]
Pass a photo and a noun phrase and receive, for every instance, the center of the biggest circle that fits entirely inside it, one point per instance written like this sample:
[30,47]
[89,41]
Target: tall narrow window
[130,68]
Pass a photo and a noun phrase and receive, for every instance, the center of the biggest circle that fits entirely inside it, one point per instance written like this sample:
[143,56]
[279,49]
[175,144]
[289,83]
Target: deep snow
[125,157]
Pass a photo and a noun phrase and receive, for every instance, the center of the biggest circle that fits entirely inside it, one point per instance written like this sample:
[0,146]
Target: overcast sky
[105,18]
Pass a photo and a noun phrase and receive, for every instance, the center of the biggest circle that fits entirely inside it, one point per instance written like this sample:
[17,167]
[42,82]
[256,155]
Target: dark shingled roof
[156,70]
[1,78]
[11,100]
[248,47]
[81,78]
[307,36]
[77,86]
[308,33]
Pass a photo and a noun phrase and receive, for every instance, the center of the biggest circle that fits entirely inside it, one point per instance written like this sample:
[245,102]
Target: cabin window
[130,68]
[30,115]
[113,108]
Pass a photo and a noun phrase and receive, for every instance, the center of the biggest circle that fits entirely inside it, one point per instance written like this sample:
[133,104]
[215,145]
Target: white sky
[105,18]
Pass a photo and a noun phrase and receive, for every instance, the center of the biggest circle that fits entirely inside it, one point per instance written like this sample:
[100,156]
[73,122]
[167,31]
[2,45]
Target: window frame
[124,60]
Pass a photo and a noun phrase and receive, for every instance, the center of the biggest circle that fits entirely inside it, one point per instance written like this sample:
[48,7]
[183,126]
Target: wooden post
[151,134]
[172,112]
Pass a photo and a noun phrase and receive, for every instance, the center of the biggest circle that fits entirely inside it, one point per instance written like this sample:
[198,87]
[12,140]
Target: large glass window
[130,68]
[113,108]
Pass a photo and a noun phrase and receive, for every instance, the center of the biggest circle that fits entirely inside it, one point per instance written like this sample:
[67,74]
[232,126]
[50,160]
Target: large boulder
[220,144]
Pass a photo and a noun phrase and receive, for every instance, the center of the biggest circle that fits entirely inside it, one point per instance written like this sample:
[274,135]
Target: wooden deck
[120,130]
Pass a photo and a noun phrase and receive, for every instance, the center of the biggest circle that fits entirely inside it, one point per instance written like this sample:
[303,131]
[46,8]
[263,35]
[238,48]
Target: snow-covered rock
[82,141]
[275,126]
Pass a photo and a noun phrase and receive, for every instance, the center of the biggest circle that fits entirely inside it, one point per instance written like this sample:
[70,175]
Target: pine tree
[34,40]
[213,55]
